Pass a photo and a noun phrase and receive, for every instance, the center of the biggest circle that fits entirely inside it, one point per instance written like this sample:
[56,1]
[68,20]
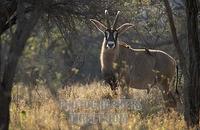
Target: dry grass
[40,111]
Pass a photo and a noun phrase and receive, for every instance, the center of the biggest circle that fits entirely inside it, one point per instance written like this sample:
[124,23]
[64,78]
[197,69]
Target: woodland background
[52,43]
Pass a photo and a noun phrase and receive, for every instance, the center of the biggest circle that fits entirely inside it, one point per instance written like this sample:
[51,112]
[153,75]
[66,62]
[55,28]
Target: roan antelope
[137,68]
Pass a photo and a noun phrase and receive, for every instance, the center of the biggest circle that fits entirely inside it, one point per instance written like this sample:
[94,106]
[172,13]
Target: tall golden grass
[39,110]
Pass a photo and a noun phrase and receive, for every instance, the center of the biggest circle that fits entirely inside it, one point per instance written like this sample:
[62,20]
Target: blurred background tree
[190,71]
[58,46]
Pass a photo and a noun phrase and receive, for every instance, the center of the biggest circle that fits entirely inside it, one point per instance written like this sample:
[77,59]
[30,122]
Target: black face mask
[111,38]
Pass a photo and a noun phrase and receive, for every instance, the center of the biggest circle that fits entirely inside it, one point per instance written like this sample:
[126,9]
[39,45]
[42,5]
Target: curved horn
[116,19]
[107,19]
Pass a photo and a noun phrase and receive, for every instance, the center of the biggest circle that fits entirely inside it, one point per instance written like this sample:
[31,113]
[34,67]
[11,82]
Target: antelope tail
[177,92]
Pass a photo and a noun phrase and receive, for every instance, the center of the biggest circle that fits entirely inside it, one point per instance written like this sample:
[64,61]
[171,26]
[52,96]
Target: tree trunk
[191,73]
[175,39]
[24,27]
[1,70]
[194,62]
[4,106]
[182,58]
[7,9]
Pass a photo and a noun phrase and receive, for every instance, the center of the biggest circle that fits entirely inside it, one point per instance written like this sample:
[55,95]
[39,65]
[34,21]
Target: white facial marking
[115,34]
[110,44]
[107,34]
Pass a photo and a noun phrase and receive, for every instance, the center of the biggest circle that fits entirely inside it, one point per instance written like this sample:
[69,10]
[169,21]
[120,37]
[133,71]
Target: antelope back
[135,67]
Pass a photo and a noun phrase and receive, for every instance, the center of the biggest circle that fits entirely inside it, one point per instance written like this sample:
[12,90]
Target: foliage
[58,46]
[64,50]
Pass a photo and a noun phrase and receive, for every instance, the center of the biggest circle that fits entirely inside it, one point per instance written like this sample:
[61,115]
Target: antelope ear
[98,25]
[124,27]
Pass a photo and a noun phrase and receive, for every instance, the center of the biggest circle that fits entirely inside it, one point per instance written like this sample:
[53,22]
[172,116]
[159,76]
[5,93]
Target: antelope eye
[115,34]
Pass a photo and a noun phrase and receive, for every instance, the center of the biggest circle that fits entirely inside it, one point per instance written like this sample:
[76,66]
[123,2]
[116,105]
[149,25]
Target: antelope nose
[110,44]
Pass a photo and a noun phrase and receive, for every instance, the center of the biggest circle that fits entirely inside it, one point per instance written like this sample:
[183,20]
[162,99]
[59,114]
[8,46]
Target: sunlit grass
[39,110]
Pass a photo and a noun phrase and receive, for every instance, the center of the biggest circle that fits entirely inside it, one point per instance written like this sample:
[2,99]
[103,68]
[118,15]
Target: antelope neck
[108,57]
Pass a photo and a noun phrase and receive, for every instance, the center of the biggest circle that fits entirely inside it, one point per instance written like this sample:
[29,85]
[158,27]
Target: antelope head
[111,32]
